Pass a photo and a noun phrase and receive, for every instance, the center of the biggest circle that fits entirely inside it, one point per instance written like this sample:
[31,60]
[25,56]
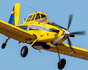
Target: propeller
[67,34]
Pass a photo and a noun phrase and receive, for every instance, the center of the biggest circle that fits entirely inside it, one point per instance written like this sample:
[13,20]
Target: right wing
[77,52]
[16,33]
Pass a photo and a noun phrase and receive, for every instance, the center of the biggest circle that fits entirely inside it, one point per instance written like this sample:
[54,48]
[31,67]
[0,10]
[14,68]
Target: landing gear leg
[24,50]
[4,44]
[61,62]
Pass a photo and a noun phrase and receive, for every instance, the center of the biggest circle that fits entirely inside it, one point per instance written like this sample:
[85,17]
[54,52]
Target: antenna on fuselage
[29,7]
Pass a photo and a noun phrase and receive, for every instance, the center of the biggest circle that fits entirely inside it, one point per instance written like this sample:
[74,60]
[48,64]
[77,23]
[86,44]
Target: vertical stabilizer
[14,18]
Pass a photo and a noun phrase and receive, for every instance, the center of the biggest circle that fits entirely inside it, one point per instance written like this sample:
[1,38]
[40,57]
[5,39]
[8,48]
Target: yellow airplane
[41,34]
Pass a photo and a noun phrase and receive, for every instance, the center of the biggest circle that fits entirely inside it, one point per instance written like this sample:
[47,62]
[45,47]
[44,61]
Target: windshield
[43,16]
[29,18]
[38,16]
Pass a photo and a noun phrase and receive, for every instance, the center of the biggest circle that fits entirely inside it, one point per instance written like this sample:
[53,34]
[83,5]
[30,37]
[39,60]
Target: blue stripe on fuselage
[24,28]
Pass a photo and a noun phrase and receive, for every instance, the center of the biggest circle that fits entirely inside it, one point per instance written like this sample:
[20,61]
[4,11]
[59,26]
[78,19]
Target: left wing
[16,33]
[77,52]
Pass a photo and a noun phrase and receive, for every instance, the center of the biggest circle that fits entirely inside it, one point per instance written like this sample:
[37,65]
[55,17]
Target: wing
[78,52]
[15,32]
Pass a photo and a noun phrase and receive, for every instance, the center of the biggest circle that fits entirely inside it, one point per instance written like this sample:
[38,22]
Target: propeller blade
[69,42]
[57,40]
[70,19]
[80,32]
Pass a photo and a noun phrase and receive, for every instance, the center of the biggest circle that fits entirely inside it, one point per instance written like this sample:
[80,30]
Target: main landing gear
[24,52]
[61,62]
[4,44]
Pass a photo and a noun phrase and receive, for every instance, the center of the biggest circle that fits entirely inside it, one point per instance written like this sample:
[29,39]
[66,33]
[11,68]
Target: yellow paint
[16,13]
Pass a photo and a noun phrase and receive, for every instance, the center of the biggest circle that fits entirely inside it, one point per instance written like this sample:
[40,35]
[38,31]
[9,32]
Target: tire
[3,45]
[61,64]
[24,51]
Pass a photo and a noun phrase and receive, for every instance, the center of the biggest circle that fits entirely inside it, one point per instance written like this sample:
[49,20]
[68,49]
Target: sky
[57,11]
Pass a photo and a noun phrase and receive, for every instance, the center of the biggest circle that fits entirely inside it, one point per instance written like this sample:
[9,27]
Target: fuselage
[47,31]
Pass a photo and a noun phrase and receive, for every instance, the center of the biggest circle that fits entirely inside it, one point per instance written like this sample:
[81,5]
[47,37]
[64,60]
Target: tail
[14,18]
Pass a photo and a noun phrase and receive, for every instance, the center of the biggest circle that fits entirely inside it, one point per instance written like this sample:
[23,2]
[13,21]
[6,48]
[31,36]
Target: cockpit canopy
[36,16]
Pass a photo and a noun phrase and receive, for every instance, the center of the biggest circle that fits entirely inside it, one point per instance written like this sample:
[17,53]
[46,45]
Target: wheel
[61,64]
[24,51]
[3,45]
